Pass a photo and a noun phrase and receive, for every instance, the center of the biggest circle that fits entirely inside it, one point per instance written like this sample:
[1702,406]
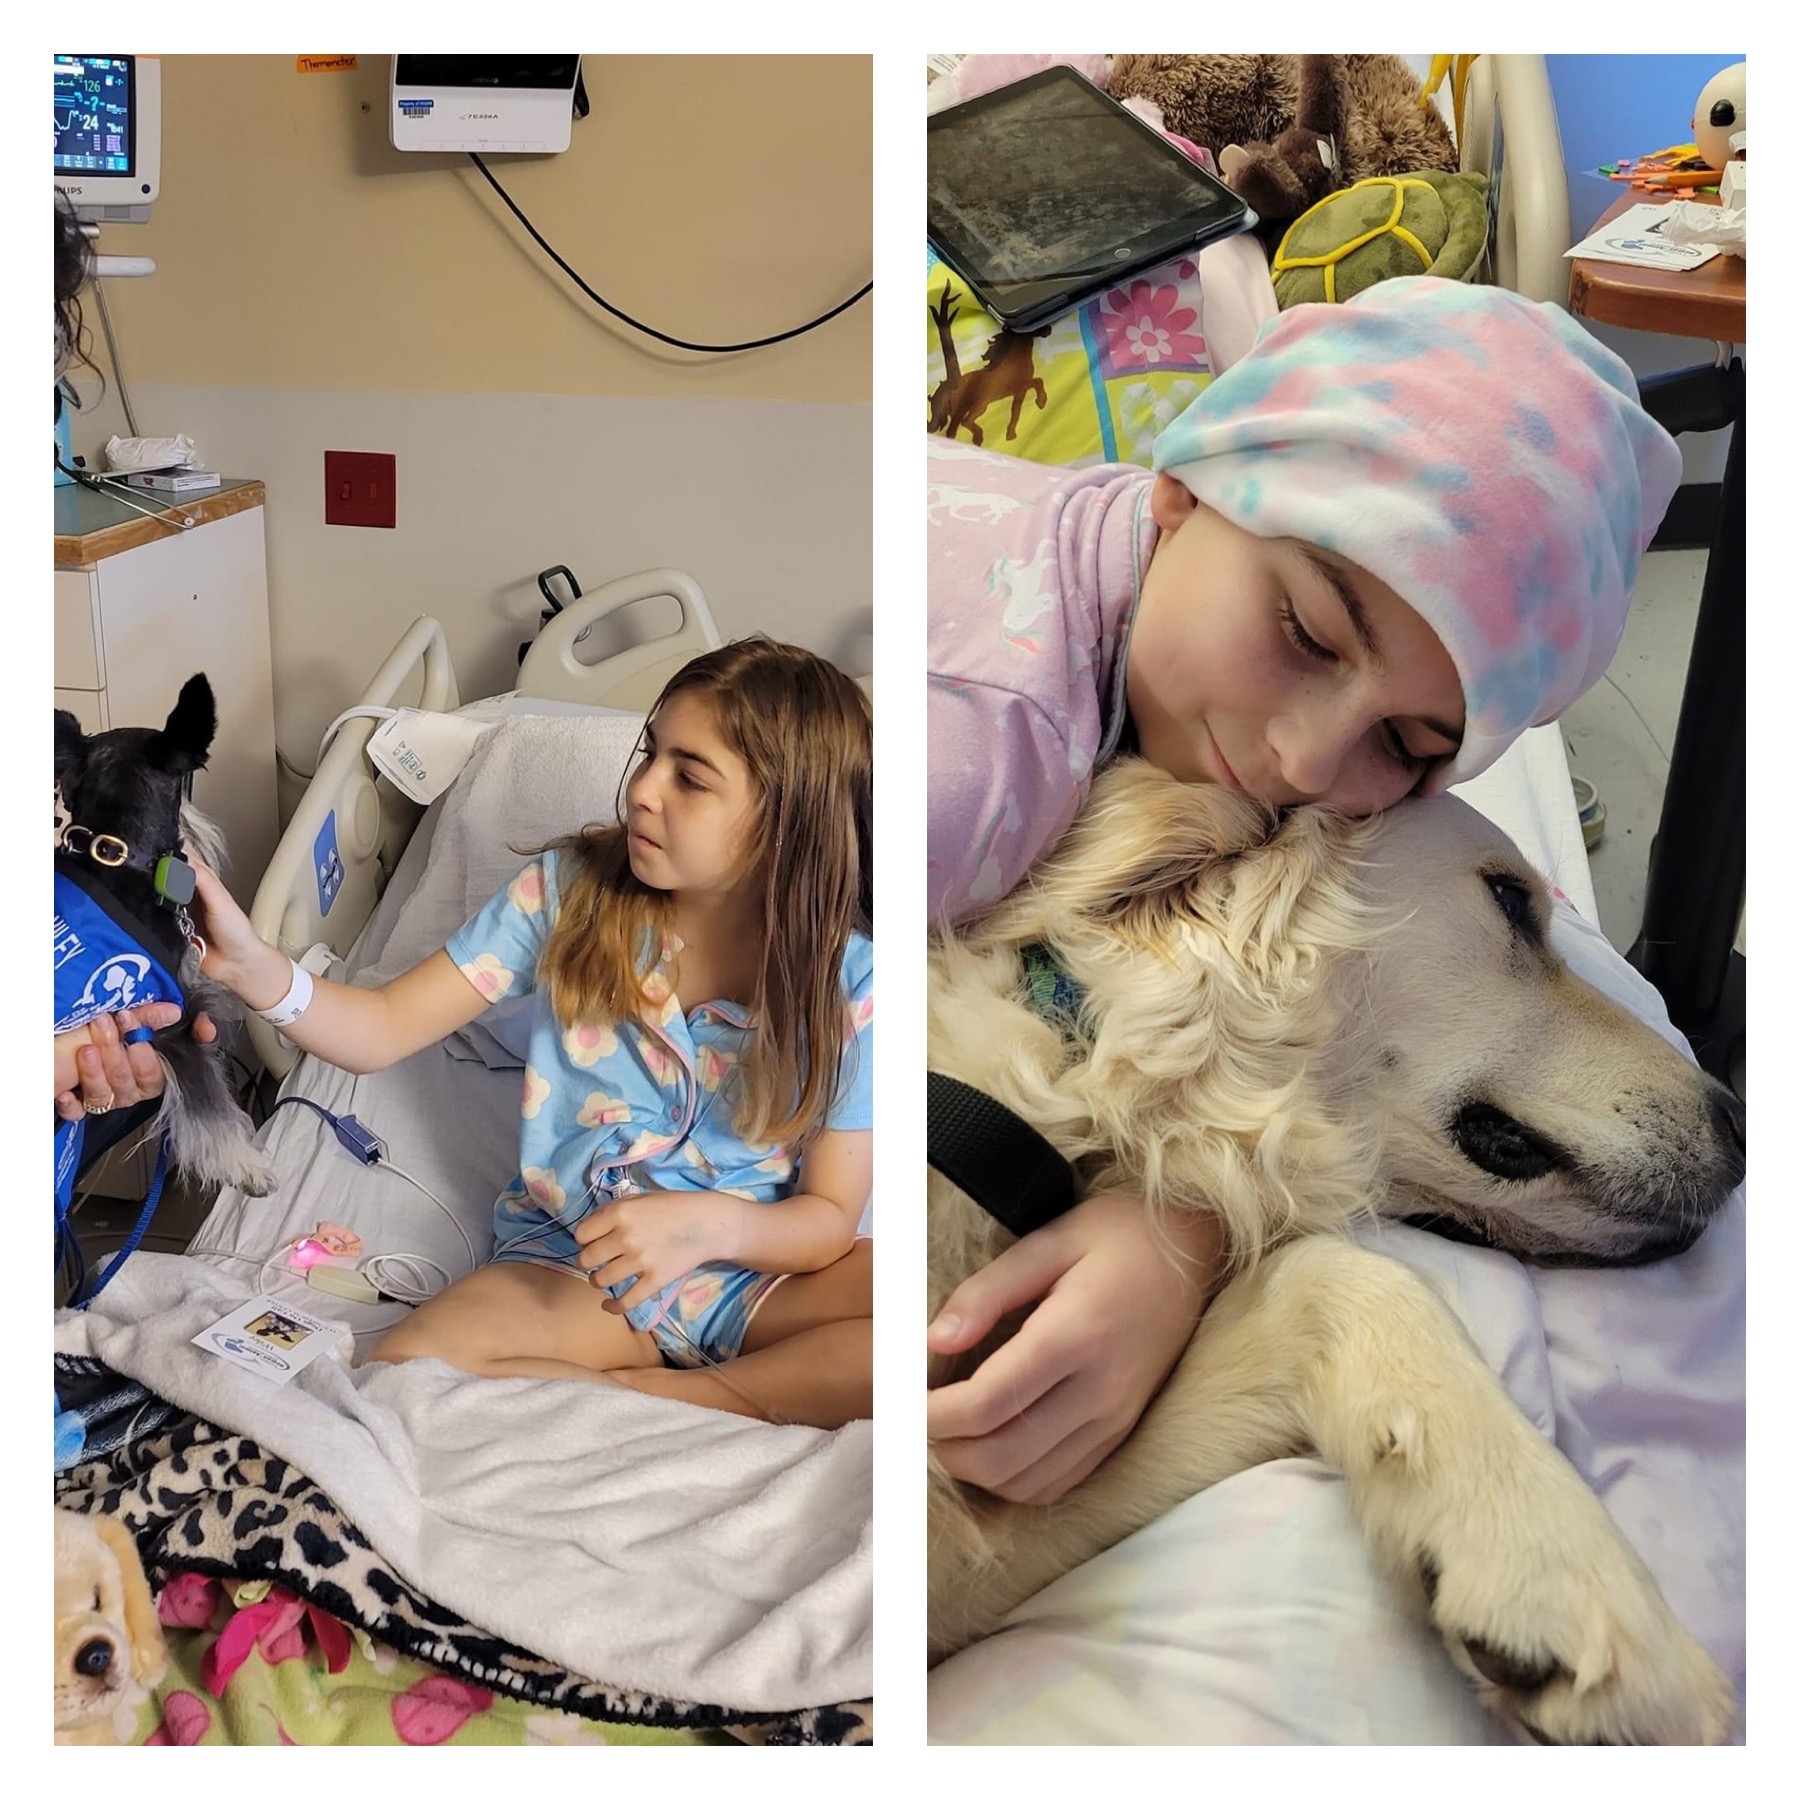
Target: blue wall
[1613,106]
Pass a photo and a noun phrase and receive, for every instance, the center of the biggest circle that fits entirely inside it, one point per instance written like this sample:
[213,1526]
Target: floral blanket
[252,1663]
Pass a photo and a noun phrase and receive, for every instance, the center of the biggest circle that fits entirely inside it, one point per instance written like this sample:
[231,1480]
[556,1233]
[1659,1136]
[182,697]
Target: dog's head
[109,1645]
[1525,1107]
[1219,945]
[129,782]
[1295,1014]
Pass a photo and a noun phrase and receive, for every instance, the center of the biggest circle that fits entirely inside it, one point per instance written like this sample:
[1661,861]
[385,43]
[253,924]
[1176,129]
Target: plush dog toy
[109,1644]
[1288,130]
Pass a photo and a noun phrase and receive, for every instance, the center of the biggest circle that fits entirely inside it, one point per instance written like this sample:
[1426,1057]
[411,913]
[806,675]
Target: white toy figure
[1719,116]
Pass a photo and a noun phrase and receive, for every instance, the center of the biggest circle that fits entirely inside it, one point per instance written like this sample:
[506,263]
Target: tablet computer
[1042,192]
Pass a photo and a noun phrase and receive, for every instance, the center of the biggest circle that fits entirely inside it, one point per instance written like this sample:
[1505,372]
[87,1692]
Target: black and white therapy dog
[1289,1021]
[123,831]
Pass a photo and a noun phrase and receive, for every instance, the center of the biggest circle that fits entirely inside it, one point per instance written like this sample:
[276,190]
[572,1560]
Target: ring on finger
[95,1107]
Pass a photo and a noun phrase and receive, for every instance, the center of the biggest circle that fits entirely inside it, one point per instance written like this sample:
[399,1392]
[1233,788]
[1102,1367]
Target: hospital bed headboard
[1509,121]
[349,829]
[631,678]
[347,833]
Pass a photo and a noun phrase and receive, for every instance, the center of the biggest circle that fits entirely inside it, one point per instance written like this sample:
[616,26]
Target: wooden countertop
[90,526]
[1707,302]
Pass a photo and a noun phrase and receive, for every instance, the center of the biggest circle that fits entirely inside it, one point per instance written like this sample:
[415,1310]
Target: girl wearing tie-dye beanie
[1393,537]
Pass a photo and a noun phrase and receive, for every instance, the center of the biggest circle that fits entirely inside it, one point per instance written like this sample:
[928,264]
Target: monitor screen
[96,115]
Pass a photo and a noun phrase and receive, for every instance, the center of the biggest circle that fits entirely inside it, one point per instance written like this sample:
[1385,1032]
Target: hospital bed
[1253,1613]
[543,1513]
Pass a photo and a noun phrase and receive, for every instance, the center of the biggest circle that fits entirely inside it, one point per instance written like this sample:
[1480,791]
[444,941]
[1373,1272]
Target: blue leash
[68,1156]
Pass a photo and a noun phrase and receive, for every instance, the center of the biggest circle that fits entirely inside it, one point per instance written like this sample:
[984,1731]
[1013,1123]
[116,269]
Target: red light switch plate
[359,488]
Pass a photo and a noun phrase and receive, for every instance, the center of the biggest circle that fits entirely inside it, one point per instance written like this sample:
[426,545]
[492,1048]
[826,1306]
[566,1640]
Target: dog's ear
[187,733]
[71,744]
[1145,841]
[148,1655]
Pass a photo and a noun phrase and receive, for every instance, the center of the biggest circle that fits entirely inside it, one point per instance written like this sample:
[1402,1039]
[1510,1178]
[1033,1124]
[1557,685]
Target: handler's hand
[1114,1312]
[94,1064]
[654,1238]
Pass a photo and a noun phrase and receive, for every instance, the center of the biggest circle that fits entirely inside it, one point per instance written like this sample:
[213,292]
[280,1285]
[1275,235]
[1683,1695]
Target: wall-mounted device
[484,103]
[109,135]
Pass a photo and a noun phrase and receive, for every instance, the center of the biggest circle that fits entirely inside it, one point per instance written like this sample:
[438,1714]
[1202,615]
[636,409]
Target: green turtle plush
[1425,224]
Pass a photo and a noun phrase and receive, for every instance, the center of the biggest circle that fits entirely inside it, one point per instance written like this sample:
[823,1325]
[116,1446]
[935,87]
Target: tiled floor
[1619,735]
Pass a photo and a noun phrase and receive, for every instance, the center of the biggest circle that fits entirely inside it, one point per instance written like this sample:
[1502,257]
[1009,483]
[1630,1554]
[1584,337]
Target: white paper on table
[1637,237]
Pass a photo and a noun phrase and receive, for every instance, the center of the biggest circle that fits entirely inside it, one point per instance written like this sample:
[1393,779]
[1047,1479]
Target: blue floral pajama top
[648,1103]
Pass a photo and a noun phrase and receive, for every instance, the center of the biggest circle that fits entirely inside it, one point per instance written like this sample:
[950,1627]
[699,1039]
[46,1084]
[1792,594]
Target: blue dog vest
[100,967]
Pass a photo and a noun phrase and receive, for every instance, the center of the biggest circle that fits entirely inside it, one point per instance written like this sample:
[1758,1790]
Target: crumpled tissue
[132,456]
[1688,222]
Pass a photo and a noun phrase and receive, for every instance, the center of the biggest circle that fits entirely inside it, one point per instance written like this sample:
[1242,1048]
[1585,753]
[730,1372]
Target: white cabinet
[141,606]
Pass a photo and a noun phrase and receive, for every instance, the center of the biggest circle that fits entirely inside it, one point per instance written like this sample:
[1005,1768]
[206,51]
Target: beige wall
[317,290]
[716,198]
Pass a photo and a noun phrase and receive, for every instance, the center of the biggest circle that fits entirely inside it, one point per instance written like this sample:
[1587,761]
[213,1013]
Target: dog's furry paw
[254,1175]
[1568,1633]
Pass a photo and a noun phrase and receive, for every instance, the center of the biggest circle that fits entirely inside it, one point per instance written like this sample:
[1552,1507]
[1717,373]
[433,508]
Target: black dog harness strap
[1008,1168]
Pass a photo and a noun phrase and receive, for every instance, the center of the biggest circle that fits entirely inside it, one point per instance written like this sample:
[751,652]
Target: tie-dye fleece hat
[1478,452]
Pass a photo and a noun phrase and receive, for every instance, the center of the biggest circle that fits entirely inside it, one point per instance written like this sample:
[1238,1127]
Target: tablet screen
[1051,181]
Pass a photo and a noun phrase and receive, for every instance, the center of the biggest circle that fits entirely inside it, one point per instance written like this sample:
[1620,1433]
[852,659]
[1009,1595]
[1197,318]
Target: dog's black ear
[187,734]
[71,744]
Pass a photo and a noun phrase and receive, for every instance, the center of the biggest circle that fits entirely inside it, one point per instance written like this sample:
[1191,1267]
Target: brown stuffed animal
[109,1644]
[1288,130]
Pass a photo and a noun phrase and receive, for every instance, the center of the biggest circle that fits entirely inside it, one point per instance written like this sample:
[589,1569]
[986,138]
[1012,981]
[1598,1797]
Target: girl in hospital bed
[695,1148]
[1392,537]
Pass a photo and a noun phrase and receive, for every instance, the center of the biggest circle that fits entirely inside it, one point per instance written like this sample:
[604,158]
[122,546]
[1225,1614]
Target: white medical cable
[474,1260]
[407,1284]
[349,712]
[262,1293]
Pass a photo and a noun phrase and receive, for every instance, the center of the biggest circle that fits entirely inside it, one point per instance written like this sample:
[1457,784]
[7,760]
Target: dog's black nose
[1727,1113]
[94,1658]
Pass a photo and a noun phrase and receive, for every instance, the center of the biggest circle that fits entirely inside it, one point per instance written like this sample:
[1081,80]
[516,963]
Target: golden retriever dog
[1290,1021]
[109,1643]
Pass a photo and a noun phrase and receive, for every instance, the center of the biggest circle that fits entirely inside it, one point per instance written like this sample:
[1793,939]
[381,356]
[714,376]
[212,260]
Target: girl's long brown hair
[802,728]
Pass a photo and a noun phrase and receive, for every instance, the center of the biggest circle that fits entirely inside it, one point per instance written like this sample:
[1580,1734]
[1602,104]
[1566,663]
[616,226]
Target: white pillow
[532,778]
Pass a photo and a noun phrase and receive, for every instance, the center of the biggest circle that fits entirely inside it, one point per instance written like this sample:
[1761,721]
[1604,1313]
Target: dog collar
[170,872]
[1007,1167]
[1056,996]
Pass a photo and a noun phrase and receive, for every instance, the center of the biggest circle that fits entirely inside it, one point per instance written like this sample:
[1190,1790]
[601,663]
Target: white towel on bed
[635,1541]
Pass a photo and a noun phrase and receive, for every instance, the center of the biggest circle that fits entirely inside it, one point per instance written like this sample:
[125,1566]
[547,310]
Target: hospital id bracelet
[293,1003]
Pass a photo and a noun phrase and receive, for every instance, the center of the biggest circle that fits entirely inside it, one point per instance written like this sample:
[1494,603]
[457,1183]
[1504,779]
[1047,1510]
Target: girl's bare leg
[514,1318]
[808,1355]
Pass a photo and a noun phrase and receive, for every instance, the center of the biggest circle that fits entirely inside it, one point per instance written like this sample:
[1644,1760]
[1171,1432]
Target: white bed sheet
[688,1554]
[1253,1613]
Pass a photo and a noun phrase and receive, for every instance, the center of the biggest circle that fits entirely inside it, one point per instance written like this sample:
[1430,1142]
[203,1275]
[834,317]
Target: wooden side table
[1695,887]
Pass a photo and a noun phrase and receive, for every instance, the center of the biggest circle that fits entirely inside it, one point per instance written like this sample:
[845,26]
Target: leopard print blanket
[197,1497]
